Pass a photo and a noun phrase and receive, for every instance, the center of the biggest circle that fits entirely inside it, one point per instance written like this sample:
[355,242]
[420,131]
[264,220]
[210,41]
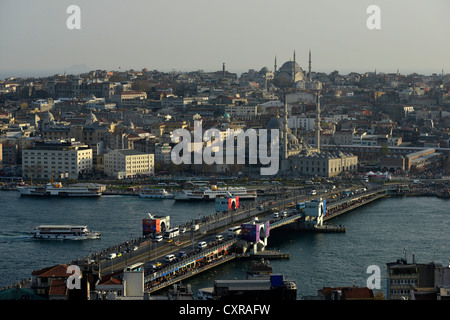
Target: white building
[124,163]
[62,159]
[163,153]
[241,111]
[301,122]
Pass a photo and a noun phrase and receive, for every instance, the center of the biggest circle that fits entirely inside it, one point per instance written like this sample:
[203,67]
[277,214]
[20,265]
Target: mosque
[297,157]
[290,74]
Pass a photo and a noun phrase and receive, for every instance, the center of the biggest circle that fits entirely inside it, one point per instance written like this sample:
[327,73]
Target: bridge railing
[188,260]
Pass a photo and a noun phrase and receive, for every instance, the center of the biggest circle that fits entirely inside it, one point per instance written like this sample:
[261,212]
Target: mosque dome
[48,117]
[292,138]
[275,123]
[264,70]
[91,118]
[289,74]
[289,66]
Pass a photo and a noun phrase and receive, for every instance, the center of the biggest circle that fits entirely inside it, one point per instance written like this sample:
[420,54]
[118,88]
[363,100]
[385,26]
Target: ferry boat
[64,232]
[56,189]
[210,194]
[156,194]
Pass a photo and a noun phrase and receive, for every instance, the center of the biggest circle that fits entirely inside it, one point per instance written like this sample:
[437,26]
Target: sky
[189,35]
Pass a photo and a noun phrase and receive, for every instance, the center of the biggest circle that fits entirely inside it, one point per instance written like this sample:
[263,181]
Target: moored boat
[56,189]
[210,194]
[156,194]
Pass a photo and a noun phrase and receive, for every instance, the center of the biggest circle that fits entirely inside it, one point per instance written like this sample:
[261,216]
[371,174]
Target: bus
[234,231]
[136,267]
[171,233]
[301,205]
[347,193]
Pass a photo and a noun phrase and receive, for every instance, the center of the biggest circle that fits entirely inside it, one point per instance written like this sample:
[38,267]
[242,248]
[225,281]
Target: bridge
[309,218]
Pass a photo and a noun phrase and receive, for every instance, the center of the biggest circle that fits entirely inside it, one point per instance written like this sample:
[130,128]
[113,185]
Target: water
[376,234]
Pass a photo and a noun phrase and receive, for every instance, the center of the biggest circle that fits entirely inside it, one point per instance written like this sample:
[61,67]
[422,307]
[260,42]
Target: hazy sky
[188,35]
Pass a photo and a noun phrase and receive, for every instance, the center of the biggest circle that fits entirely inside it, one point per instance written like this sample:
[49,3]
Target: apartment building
[125,163]
[61,159]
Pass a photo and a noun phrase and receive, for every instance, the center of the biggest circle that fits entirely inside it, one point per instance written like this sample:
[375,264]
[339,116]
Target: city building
[163,153]
[130,99]
[417,281]
[125,163]
[76,87]
[60,159]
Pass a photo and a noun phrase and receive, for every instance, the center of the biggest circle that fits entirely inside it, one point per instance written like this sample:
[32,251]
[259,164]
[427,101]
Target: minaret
[317,124]
[223,69]
[285,129]
[275,66]
[309,75]
[293,70]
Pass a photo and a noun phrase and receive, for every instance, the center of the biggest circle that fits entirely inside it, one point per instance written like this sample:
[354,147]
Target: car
[170,258]
[202,245]
[158,238]
[219,237]
[155,265]
[111,256]
[313,192]
[284,214]
[182,230]
[135,248]
[182,254]
[276,215]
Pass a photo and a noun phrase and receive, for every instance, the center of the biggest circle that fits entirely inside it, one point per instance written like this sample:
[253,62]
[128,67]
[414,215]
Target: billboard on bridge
[254,232]
[150,226]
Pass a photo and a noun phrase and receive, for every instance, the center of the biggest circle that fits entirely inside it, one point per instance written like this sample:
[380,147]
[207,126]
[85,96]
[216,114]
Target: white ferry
[156,194]
[56,189]
[64,232]
[210,194]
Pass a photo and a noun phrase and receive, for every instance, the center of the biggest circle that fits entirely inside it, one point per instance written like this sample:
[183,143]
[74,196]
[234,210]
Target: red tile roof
[58,287]
[58,271]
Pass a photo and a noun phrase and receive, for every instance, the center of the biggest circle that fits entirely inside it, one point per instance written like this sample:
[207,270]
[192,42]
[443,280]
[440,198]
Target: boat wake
[8,237]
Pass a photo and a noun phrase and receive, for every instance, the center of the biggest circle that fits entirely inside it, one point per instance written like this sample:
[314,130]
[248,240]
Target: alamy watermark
[219,151]
[373,22]
[74,20]
[374,280]
[74,280]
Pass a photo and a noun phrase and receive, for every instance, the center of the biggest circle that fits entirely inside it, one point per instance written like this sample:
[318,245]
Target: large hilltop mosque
[296,157]
[290,74]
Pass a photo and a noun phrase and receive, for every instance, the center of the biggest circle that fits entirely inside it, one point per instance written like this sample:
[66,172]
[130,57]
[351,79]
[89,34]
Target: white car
[202,245]
[158,238]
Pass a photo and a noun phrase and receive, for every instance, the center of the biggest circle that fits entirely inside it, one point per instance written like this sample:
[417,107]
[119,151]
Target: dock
[267,254]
